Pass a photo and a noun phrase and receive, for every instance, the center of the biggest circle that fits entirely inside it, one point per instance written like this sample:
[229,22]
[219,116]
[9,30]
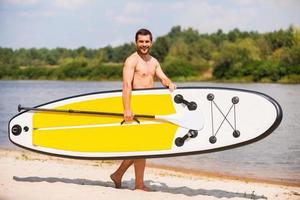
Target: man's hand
[172,87]
[128,115]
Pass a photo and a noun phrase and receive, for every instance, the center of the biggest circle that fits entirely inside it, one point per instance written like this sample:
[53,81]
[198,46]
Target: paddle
[189,119]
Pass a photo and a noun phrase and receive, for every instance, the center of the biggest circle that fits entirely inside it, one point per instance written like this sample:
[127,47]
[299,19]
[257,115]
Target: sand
[32,176]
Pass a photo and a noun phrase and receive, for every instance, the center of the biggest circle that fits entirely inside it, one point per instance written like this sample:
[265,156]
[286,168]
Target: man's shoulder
[132,59]
[154,59]
[133,56]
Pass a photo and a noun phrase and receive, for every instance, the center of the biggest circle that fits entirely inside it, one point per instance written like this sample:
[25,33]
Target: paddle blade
[190,119]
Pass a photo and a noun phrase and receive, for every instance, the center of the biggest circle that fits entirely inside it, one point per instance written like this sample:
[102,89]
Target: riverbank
[32,176]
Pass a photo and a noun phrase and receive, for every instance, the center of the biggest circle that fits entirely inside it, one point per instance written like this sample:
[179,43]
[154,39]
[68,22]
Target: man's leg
[117,175]
[139,169]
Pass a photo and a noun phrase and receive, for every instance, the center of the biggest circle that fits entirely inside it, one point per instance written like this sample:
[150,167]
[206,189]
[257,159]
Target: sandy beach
[28,175]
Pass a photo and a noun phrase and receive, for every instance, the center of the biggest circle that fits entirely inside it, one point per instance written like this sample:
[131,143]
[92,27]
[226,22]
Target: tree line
[185,54]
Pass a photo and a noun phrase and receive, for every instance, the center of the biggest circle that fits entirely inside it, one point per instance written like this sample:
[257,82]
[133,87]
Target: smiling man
[139,71]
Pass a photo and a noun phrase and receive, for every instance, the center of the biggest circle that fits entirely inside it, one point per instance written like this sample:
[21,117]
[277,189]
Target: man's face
[143,44]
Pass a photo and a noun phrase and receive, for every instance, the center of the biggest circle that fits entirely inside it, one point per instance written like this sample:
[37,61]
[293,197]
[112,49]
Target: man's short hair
[143,31]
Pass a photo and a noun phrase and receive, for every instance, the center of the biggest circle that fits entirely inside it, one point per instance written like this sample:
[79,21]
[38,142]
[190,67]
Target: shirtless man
[139,71]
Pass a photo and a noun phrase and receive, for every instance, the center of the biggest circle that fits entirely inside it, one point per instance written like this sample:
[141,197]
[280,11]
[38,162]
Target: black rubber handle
[179,99]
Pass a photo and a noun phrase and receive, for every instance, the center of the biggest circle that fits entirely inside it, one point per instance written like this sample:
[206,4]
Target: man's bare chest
[145,68]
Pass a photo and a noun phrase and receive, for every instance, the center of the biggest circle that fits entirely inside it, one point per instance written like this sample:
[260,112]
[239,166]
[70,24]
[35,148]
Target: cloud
[132,13]
[207,17]
[21,2]
[38,13]
[127,19]
[70,4]
[245,2]
[131,8]
[100,22]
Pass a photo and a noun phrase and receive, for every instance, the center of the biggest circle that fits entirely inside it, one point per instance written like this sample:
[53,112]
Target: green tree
[202,48]
[6,56]
[281,38]
[179,67]
[121,52]
[264,47]
[234,35]
[217,38]
[179,49]
[175,32]
[273,56]
[161,48]
[233,56]
[190,35]
[73,68]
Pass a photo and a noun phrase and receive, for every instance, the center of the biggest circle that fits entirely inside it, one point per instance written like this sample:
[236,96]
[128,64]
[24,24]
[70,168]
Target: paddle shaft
[81,112]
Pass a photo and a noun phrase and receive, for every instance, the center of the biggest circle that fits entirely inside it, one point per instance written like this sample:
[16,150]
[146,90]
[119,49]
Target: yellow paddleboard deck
[199,120]
[90,133]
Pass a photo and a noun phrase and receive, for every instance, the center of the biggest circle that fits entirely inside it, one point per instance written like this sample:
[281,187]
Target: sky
[98,23]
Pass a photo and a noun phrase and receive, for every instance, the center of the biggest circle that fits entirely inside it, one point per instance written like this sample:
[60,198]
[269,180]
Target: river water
[276,157]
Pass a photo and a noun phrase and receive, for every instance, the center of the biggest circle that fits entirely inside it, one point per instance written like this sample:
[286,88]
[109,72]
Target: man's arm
[128,73]
[164,79]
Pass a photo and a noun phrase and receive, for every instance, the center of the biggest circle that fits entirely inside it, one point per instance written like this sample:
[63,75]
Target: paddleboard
[190,120]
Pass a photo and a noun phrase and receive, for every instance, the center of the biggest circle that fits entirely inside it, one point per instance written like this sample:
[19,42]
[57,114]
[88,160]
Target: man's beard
[143,52]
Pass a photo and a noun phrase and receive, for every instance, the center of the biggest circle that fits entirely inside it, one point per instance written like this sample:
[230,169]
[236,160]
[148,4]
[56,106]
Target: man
[139,71]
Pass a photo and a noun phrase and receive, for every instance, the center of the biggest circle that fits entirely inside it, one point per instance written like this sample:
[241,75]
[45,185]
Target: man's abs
[140,82]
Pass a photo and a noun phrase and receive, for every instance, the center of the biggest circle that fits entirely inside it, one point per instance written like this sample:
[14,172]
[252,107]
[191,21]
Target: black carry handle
[179,99]
[134,118]
[181,140]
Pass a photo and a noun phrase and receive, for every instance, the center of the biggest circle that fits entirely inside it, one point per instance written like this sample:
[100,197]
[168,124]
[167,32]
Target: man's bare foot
[116,180]
[144,188]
